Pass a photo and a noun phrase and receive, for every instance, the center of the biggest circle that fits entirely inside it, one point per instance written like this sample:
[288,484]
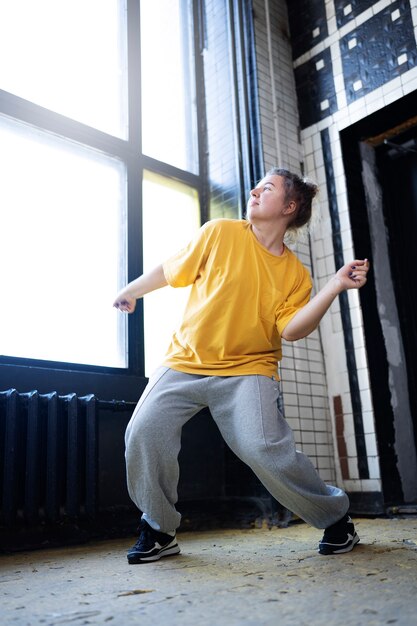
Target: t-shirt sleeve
[295,301]
[184,267]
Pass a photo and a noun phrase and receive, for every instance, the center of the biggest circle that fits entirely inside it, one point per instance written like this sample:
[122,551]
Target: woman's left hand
[353,275]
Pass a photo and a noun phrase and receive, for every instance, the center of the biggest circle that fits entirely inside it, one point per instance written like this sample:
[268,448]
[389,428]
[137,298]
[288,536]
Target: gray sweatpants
[245,410]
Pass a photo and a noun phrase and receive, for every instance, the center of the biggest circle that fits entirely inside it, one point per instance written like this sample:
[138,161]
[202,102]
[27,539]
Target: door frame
[394,429]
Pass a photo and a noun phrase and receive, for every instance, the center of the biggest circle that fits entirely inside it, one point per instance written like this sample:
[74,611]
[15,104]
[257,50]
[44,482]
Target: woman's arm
[350,276]
[126,298]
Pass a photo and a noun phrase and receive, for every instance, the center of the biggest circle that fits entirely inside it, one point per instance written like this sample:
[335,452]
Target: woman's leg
[153,441]
[246,412]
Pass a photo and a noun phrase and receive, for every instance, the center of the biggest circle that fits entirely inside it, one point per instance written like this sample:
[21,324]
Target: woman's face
[267,201]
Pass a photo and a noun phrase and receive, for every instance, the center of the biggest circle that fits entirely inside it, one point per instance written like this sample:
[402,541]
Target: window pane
[171,216]
[68,56]
[62,249]
[168,90]
[223,157]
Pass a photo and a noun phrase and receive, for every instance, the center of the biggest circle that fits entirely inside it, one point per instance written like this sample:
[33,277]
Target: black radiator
[49,456]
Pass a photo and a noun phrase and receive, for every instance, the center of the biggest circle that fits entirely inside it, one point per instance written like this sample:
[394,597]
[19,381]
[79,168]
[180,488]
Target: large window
[111,156]
[64,218]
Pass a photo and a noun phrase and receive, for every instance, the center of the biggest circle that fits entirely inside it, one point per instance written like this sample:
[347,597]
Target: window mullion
[199,43]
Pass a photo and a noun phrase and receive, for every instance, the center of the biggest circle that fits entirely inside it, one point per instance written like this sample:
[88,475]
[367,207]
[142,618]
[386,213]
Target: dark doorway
[397,164]
[392,135]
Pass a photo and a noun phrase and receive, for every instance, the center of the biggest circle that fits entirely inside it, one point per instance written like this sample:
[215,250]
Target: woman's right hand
[125,303]
[126,298]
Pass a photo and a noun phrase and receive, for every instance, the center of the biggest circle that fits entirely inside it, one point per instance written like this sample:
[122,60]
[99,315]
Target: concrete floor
[233,577]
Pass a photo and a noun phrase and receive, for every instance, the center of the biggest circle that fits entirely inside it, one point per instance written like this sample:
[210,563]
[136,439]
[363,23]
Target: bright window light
[168,83]
[68,56]
[171,217]
[62,249]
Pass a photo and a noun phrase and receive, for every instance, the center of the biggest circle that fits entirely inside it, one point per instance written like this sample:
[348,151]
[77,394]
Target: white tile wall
[332,336]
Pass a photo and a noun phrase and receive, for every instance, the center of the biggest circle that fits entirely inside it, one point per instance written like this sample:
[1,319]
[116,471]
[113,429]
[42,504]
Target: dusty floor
[251,577]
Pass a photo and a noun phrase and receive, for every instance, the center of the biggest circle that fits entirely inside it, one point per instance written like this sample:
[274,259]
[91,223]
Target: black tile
[315,86]
[370,52]
[346,10]
[344,307]
[308,24]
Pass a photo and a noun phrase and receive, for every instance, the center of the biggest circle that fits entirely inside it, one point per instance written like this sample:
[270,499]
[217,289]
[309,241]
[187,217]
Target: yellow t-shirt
[241,299]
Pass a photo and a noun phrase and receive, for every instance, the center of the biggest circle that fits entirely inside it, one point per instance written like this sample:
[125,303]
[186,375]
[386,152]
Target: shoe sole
[328,551]
[136,559]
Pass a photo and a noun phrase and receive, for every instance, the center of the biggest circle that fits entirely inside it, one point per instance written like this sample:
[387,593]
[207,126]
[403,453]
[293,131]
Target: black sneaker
[339,538]
[152,545]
